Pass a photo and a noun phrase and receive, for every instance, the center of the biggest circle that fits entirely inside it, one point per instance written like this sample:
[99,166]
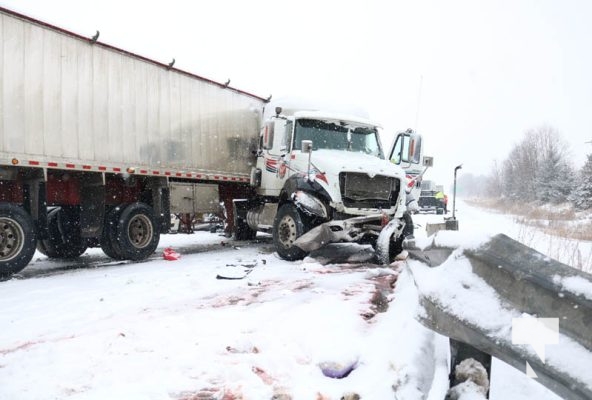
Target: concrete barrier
[527,282]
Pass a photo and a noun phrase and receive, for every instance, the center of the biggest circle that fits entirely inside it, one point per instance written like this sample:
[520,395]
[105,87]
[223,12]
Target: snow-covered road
[97,329]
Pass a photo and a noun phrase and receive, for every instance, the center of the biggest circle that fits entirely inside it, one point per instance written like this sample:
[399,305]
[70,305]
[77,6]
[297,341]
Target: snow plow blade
[508,280]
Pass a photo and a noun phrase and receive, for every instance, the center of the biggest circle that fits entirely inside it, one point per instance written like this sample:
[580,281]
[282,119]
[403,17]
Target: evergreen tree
[537,168]
[554,181]
[581,196]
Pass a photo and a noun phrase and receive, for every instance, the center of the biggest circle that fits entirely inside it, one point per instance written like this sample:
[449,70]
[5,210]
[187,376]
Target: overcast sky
[470,76]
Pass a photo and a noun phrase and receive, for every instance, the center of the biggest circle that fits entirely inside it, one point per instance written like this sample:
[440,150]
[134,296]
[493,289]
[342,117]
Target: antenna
[418,101]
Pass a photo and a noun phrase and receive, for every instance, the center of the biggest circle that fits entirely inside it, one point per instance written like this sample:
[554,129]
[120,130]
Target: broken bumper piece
[348,230]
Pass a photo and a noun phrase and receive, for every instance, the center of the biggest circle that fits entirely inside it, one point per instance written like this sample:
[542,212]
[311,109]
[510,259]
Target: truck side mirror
[407,148]
[306,146]
[268,131]
[414,155]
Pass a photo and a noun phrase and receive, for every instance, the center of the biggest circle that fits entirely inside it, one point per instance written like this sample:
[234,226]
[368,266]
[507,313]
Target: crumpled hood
[334,161]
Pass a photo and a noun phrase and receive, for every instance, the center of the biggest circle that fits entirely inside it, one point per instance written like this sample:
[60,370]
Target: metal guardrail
[529,282]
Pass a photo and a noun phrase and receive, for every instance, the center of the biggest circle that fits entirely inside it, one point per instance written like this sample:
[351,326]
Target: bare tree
[528,169]
[494,181]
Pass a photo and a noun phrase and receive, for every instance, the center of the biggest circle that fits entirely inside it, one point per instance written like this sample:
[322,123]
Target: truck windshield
[331,136]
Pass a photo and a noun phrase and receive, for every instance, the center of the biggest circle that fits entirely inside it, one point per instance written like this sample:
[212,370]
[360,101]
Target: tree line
[537,169]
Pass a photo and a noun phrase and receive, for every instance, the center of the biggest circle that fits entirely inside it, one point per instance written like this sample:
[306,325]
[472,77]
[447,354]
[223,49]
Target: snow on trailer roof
[122,51]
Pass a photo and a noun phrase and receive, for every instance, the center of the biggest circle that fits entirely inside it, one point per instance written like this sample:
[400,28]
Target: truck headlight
[310,204]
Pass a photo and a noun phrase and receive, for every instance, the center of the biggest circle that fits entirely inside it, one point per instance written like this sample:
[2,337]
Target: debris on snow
[236,271]
[337,370]
[170,255]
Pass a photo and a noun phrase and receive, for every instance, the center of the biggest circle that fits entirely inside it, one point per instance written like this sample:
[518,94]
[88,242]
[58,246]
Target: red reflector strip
[53,164]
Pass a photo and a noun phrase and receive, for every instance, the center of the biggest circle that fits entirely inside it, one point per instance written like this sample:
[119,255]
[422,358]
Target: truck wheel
[108,240]
[17,239]
[386,251]
[64,235]
[287,227]
[137,236]
[45,246]
[242,230]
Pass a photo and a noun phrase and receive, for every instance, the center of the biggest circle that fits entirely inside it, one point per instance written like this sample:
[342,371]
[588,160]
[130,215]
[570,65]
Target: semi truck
[99,146]
[429,200]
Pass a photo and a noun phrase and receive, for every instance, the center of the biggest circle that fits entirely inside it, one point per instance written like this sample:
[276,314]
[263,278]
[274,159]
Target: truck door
[274,158]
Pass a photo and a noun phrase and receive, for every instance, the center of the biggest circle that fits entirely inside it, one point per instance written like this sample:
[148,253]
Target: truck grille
[362,191]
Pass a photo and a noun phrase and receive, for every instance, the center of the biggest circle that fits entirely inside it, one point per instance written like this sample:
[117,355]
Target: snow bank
[575,284]
[458,291]
[453,239]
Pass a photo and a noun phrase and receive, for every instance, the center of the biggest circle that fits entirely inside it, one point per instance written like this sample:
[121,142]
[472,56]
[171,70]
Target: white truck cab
[324,177]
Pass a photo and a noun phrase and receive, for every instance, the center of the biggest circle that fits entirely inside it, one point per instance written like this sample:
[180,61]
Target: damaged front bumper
[348,230]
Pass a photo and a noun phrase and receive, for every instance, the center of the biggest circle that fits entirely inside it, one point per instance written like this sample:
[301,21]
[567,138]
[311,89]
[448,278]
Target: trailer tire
[136,233]
[289,225]
[64,239]
[108,239]
[45,246]
[17,239]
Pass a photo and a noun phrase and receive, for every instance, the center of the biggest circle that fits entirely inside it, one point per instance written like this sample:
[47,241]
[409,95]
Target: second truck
[98,146]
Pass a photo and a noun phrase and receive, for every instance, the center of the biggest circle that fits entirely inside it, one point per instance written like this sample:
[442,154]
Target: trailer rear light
[130,170]
[15,161]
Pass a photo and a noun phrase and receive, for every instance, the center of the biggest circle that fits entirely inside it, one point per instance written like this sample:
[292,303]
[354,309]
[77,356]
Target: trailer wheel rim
[287,232]
[140,231]
[11,239]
